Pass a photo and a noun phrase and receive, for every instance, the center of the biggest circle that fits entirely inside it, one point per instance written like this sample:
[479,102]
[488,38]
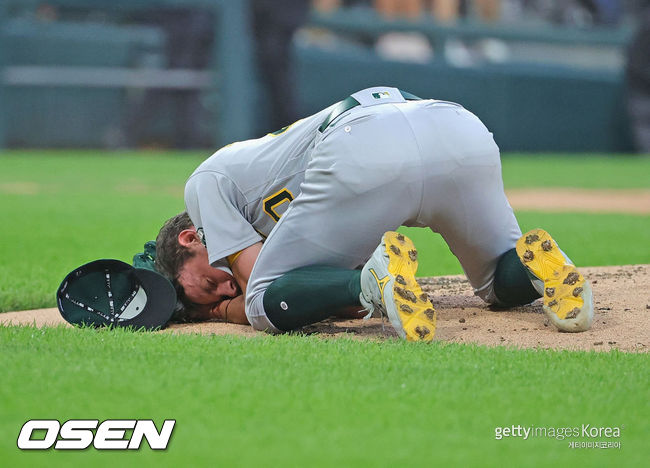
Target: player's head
[182,257]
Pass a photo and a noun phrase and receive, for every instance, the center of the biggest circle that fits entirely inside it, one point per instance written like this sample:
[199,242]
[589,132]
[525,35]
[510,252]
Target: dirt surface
[621,300]
[581,200]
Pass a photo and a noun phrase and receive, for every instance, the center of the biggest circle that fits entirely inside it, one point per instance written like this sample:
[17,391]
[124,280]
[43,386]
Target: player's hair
[170,258]
[170,254]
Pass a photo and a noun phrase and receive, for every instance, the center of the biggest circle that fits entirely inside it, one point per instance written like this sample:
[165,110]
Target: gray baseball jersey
[237,195]
[325,193]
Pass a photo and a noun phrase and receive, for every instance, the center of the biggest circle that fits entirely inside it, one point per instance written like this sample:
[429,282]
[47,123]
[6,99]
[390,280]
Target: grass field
[301,401]
[576,170]
[295,400]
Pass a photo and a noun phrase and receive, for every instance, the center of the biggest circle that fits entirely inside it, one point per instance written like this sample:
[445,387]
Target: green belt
[349,103]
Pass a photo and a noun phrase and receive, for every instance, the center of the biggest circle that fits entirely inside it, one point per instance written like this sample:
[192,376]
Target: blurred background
[543,75]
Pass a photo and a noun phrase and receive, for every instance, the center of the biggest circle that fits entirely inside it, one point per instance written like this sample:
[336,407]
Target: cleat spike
[406,294]
[572,278]
[531,238]
[573,314]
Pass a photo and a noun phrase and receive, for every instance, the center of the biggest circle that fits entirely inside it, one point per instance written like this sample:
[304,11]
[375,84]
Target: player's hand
[220,310]
[199,313]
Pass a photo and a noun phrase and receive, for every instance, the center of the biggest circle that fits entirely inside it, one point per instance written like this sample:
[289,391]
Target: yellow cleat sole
[413,305]
[563,283]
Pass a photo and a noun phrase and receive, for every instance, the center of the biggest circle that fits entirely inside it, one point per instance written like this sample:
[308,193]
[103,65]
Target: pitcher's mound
[621,301]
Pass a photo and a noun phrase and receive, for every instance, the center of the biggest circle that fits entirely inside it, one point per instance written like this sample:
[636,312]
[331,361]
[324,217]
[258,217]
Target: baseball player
[282,231]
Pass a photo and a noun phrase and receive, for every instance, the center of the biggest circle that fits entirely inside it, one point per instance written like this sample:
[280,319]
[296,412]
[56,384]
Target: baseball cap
[111,292]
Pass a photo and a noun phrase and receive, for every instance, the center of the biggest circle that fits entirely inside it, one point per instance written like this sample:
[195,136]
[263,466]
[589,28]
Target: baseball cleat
[388,286]
[568,299]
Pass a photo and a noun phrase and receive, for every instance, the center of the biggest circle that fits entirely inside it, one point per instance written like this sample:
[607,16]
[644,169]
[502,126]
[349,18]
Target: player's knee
[256,314]
[487,294]
[275,305]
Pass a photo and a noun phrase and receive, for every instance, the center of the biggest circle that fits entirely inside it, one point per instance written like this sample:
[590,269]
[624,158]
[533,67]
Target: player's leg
[481,230]
[386,285]
[311,252]
[479,225]
[301,278]
[310,294]
[510,269]
[463,198]
[344,208]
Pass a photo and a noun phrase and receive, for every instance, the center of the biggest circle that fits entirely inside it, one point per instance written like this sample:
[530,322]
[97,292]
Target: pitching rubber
[567,295]
[416,313]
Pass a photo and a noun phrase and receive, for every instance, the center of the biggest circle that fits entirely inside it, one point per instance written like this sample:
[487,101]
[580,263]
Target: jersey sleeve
[223,265]
[212,200]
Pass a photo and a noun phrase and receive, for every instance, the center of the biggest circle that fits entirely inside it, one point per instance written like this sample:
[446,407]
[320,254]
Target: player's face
[204,284]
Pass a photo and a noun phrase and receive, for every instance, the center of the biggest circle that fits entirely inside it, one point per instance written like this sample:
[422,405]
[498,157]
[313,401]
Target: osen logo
[79,434]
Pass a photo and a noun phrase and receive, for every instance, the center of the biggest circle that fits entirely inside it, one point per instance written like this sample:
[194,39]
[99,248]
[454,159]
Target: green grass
[63,209]
[295,400]
[302,401]
[589,171]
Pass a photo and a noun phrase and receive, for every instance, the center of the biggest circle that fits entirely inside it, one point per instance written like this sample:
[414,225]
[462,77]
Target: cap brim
[161,300]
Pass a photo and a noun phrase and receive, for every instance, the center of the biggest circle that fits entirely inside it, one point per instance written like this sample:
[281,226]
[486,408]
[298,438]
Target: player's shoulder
[210,174]
[221,161]
[220,157]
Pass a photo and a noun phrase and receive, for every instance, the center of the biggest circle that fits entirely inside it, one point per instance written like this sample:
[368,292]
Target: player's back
[250,173]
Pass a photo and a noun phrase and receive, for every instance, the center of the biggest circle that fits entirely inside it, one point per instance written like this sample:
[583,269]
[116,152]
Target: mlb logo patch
[381,95]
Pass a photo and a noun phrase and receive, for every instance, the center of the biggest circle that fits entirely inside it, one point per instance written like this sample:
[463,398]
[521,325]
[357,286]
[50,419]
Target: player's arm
[232,310]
